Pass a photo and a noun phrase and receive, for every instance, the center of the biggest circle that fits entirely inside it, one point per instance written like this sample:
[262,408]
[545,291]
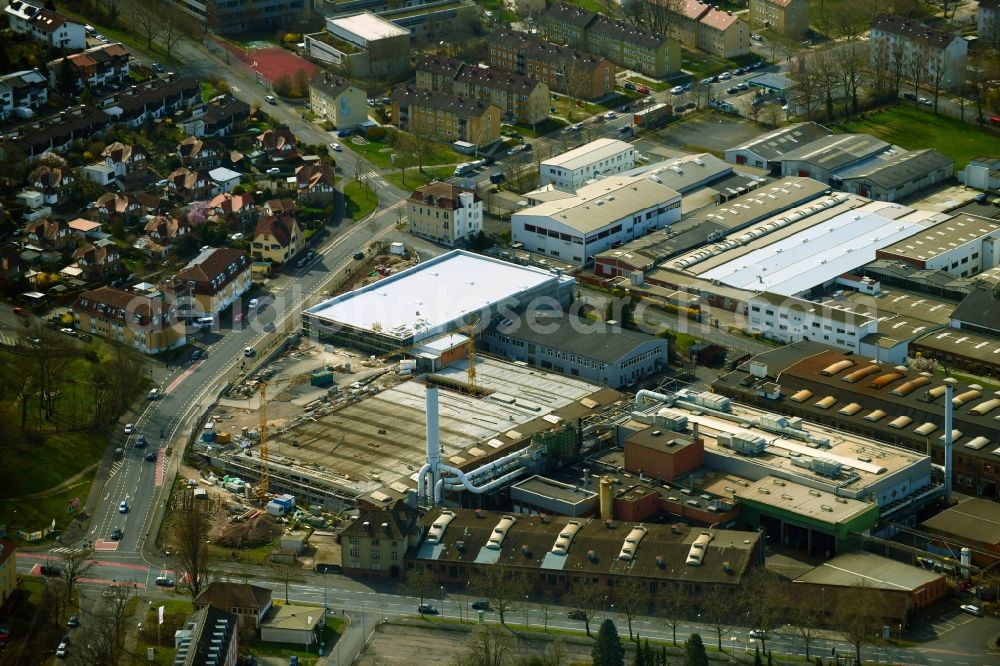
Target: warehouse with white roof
[437,296]
[607,213]
[603,157]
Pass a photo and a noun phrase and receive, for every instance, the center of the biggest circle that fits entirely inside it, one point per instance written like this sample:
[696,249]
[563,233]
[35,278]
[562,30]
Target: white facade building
[942,53]
[45,26]
[787,319]
[961,245]
[607,213]
[603,157]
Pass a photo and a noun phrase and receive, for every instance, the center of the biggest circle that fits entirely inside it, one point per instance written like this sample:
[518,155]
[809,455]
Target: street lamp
[442,601]
[526,624]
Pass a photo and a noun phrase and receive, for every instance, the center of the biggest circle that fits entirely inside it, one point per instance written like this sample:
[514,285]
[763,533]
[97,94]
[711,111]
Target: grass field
[913,128]
[415,178]
[376,152]
[359,200]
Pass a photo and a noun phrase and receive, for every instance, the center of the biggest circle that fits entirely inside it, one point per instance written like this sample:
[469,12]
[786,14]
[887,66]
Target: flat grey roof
[818,505]
[783,140]
[863,568]
[942,237]
[974,520]
[582,337]
[557,490]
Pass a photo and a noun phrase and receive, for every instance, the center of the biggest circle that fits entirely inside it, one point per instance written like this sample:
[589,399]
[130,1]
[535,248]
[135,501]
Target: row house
[45,26]
[941,53]
[521,99]
[127,161]
[619,41]
[186,185]
[161,233]
[220,116]
[97,261]
[277,237]
[26,89]
[156,98]
[279,144]
[50,234]
[52,180]
[445,117]
[197,153]
[211,282]
[563,69]
[135,320]
[97,67]
[315,183]
[56,133]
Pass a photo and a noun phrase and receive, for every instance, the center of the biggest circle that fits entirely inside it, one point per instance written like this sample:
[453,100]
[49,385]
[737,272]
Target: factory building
[437,296]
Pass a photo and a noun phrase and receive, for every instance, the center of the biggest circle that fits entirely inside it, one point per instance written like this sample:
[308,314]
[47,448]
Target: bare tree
[175,25]
[145,17]
[853,19]
[897,64]
[76,564]
[498,585]
[877,69]
[851,58]
[718,607]
[807,620]
[672,604]
[103,637]
[420,583]
[112,8]
[763,600]
[586,600]
[856,617]
[827,74]
[937,72]
[632,599]
[545,607]
[286,574]
[190,539]
[915,69]
[656,16]
[489,645]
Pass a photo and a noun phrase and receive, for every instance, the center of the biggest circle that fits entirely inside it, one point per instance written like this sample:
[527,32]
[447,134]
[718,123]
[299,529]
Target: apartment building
[577,73]
[376,542]
[788,18]
[705,27]
[135,320]
[521,99]
[44,25]
[616,209]
[226,17]
[336,99]
[277,238]
[572,169]
[620,42]
[444,213]
[787,319]
[444,117]
[8,570]
[988,21]
[943,53]
[25,89]
[210,283]
[104,65]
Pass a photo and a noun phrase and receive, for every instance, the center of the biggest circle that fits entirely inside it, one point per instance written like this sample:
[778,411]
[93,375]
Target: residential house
[788,18]
[278,207]
[86,229]
[315,183]
[444,213]
[337,100]
[26,89]
[224,180]
[8,570]
[163,229]
[375,543]
[45,26]
[705,27]
[521,99]
[52,180]
[201,154]
[941,53]
[220,116]
[98,67]
[209,636]
[112,204]
[624,44]
[249,602]
[186,185]
[563,69]
[97,262]
[50,234]
[128,162]
[238,209]
[444,117]
[152,204]
[277,238]
[280,144]
[211,282]
[135,320]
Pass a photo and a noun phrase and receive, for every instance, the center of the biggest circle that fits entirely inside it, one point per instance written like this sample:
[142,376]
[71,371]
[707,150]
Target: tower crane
[260,492]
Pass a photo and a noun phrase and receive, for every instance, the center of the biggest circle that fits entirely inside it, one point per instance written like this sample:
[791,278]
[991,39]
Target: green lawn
[207,91]
[415,178]
[174,612]
[913,128]
[376,152]
[120,35]
[359,200]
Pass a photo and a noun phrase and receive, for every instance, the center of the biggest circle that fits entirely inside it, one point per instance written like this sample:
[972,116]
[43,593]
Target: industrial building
[362,43]
[973,525]
[765,152]
[437,296]
[594,351]
[787,319]
[603,157]
[556,554]
[616,209]
[961,245]
[808,380]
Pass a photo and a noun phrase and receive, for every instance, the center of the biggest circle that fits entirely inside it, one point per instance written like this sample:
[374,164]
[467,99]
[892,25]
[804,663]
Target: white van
[154,394]
[205,322]
[270,99]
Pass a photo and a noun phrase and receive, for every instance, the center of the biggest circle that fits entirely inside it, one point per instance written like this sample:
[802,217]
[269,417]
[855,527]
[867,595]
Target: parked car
[85,337]
[343,133]
[482,605]
[427,609]
[971,609]
[610,115]
[249,352]
[116,534]
[743,85]
[163,581]
[158,68]
[273,171]
[577,615]
[18,310]
[677,90]
[359,256]
[129,427]
[725,76]
[732,90]
[254,302]
[270,99]
[67,330]
[925,101]
[629,85]
[62,650]
[910,96]
[335,147]
[73,622]
[644,90]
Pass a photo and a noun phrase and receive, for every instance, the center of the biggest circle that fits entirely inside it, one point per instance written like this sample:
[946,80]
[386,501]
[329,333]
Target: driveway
[711,132]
